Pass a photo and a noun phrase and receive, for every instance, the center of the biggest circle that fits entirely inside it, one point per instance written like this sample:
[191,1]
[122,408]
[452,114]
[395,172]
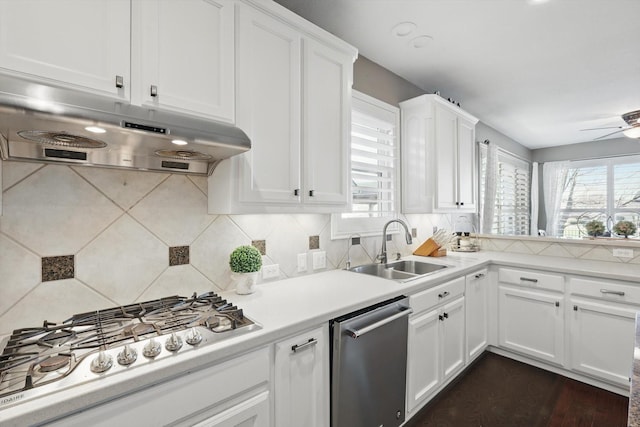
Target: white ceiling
[537,72]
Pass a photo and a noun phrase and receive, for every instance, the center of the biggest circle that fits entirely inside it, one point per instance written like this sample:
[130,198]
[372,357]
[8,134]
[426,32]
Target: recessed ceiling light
[537,1]
[420,41]
[95,129]
[403,29]
[179,142]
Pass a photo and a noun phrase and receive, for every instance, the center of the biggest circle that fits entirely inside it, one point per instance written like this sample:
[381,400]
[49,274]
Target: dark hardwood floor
[500,392]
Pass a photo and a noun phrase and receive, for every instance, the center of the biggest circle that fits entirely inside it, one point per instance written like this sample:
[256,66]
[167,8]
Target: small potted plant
[245,263]
[594,228]
[624,228]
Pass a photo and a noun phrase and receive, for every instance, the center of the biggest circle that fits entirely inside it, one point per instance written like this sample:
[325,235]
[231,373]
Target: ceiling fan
[632,119]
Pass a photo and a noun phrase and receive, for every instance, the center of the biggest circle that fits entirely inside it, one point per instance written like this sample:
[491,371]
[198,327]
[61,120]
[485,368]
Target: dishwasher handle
[355,333]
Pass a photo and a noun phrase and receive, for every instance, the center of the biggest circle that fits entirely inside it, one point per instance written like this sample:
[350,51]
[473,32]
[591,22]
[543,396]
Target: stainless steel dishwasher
[369,366]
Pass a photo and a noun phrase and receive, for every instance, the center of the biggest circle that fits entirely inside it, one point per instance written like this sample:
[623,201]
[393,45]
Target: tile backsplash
[74,239]
[134,236]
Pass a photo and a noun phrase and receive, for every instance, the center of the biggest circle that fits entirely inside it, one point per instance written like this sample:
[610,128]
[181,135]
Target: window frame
[342,227]
[610,211]
[516,162]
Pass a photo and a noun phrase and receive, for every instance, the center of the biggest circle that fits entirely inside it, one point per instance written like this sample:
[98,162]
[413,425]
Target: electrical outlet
[435,228]
[622,253]
[414,232]
[319,260]
[270,271]
[302,263]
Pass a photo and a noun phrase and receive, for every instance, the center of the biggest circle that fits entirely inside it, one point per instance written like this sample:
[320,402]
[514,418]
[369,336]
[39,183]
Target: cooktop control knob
[101,363]
[173,343]
[152,348]
[127,356]
[193,337]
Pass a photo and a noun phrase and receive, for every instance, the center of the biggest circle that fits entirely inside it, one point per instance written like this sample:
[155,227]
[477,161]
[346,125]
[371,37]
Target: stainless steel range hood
[49,124]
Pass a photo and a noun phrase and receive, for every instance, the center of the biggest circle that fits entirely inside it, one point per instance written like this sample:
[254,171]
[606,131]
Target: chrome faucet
[383,254]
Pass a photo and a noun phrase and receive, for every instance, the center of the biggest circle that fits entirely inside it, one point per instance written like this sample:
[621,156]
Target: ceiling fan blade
[608,127]
[609,134]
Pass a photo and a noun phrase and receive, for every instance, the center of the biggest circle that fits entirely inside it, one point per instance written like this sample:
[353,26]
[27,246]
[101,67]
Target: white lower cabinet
[531,322]
[602,340]
[477,314]
[253,412]
[436,340]
[302,380]
[601,318]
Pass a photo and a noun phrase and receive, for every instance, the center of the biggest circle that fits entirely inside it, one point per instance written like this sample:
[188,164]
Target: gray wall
[382,84]
[588,150]
[377,81]
[485,132]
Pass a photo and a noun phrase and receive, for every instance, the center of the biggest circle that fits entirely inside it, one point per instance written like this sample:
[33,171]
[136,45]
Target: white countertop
[290,306]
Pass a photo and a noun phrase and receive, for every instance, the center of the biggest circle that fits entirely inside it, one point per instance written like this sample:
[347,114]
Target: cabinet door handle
[457,203]
[557,303]
[119,81]
[153,91]
[296,192]
[575,308]
[298,347]
[461,203]
[310,193]
[440,317]
[526,279]
[446,315]
[443,295]
[479,276]
[606,291]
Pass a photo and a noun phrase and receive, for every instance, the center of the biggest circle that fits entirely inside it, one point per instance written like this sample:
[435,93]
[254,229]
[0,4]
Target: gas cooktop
[40,360]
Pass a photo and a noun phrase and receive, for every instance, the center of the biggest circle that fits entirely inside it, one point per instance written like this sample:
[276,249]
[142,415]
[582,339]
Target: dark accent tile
[261,245]
[314,242]
[178,255]
[58,268]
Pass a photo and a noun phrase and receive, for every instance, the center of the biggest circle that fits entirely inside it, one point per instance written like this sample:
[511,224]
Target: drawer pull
[443,295]
[527,279]
[298,347]
[557,303]
[606,291]
[575,308]
[479,276]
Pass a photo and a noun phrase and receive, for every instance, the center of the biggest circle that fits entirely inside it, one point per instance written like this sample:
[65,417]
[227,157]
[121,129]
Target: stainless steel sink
[400,271]
[415,267]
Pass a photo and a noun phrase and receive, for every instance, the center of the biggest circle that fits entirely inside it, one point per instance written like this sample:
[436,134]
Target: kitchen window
[374,168]
[605,190]
[512,202]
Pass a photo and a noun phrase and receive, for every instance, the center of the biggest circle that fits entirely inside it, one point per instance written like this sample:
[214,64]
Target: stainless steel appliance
[51,124]
[90,346]
[368,367]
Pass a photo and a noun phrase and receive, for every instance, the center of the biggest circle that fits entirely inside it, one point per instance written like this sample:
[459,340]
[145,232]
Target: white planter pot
[245,282]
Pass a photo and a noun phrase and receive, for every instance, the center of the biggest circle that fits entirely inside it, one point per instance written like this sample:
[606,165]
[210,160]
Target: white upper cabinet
[438,157]
[183,56]
[159,53]
[269,62]
[326,124]
[294,102]
[77,43]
